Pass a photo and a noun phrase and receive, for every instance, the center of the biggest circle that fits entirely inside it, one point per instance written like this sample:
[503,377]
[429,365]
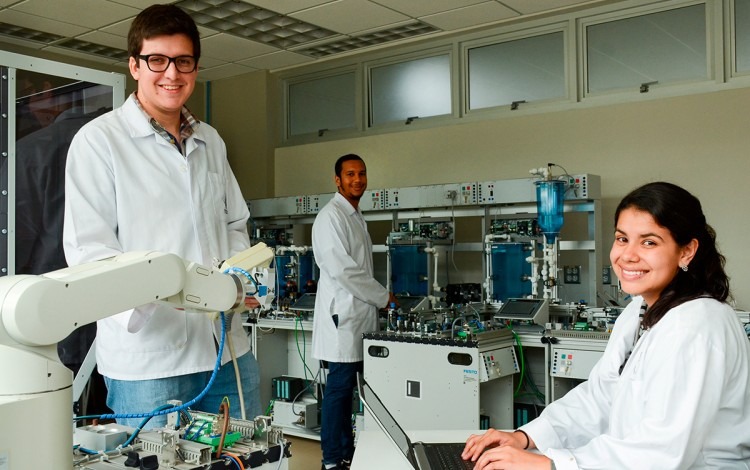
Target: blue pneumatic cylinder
[549,206]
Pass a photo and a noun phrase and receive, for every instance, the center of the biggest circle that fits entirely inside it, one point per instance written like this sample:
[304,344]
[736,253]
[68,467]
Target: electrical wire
[143,423]
[304,346]
[303,353]
[85,450]
[281,457]
[530,385]
[224,409]
[237,377]
[172,408]
[185,416]
[315,378]
[236,462]
[235,459]
[560,167]
[188,428]
[197,432]
[99,456]
[521,360]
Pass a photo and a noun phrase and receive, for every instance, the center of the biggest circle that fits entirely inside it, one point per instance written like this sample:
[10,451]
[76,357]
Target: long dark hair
[680,212]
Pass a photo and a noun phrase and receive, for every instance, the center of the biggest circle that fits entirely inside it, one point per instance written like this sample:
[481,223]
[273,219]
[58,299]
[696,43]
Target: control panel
[573,363]
[497,363]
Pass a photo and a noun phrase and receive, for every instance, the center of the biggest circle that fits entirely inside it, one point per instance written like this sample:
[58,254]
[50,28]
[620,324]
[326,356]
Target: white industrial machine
[39,311]
[433,382]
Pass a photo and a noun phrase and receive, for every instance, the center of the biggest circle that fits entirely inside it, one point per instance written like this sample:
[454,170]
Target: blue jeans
[142,396]
[336,439]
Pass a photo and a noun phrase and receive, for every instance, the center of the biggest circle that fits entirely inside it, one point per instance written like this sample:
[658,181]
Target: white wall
[700,142]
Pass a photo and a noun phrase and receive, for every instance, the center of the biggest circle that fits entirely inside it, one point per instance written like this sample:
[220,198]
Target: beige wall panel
[239,111]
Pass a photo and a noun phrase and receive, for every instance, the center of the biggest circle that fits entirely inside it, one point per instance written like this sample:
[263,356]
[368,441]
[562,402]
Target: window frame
[369,66]
[714,72]
[288,82]
[730,51]
[515,35]
[719,49]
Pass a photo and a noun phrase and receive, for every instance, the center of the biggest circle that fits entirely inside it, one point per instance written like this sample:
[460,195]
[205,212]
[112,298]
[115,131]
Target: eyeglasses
[160,63]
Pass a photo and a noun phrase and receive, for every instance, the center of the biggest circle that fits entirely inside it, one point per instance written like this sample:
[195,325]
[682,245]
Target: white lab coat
[682,402]
[347,288]
[128,189]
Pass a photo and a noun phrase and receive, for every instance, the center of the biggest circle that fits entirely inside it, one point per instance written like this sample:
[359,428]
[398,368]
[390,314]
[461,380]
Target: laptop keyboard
[446,456]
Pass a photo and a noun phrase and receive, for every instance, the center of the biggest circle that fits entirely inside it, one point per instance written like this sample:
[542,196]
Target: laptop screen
[384,418]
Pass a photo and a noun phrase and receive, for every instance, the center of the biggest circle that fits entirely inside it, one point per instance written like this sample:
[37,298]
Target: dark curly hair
[680,212]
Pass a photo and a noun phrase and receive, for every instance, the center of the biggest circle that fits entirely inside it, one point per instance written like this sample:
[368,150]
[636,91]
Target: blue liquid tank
[549,205]
[509,271]
[409,269]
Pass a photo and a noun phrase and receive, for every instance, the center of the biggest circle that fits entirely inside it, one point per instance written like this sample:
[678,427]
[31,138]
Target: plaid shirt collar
[188,124]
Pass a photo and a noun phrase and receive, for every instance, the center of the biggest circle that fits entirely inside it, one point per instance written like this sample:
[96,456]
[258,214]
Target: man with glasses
[150,176]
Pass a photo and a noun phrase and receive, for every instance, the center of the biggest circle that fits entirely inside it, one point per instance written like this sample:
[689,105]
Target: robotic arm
[39,311]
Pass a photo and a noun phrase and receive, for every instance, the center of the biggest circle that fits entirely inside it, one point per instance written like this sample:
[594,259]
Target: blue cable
[244,273]
[167,409]
[171,408]
[143,423]
[85,450]
[187,430]
[197,432]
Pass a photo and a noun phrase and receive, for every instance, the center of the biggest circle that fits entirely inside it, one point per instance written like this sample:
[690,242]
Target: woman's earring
[684,267]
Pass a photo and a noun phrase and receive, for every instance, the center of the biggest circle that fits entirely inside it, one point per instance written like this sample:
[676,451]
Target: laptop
[421,456]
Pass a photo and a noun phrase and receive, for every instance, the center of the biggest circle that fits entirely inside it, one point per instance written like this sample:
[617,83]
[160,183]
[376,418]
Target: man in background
[346,304]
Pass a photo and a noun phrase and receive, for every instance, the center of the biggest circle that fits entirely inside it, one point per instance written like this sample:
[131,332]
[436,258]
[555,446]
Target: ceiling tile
[349,16]
[417,8]
[486,12]
[106,39]
[287,6]
[26,20]
[120,28]
[90,13]
[526,7]
[226,47]
[275,60]
[80,55]
[370,38]
[338,26]
[21,43]
[223,71]
[139,4]
[209,62]
[123,27]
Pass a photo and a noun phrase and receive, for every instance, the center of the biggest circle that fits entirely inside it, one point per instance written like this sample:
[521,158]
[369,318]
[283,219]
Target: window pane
[529,69]
[419,87]
[324,103]
[666,47]
[742,34]
[49,112]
